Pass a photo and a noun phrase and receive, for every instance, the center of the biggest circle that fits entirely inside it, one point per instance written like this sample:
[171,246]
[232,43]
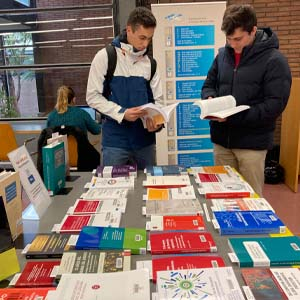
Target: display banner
[186,40]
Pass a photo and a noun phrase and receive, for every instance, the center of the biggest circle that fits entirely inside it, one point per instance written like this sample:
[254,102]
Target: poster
[186,40]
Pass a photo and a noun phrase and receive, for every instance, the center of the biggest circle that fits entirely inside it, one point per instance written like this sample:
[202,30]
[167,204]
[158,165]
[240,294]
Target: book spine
[43,256]
[227,195]
[240,231]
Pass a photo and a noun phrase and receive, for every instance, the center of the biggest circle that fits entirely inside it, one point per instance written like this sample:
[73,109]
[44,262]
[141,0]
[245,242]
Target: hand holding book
[158,114]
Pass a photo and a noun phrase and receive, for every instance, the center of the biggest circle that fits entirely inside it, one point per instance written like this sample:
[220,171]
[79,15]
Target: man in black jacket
[251,68]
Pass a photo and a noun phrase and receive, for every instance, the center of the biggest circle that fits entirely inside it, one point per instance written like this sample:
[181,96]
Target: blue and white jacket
[129,88]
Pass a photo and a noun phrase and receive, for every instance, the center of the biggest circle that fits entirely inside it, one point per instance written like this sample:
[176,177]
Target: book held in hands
[219,107]
[159,114]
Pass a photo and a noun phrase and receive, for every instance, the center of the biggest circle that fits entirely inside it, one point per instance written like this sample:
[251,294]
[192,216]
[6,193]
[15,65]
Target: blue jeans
[118,156]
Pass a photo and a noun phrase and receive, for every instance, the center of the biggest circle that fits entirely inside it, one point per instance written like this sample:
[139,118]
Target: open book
[159,114]
[220,107]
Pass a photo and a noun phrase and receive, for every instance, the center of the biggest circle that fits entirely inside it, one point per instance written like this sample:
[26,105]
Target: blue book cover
[54,167]
[89,238]
[166,170]
[109,238]
[266,251]
[248,222]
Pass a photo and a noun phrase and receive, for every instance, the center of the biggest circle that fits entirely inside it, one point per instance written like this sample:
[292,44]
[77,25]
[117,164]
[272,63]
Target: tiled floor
[286,204]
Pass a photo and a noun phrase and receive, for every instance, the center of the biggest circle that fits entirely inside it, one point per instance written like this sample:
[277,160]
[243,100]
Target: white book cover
[174,207]
[111,183]
[127,285]
[226,189]
[83,206]
[74,223]
[236,204]
[207,283]
[167,181]
[104,194]
[289,281]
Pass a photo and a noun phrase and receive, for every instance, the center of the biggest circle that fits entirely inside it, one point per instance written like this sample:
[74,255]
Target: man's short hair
[141,16]
[239,16]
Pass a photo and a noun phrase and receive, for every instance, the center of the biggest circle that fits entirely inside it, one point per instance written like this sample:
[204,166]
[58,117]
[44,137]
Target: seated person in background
[65,113]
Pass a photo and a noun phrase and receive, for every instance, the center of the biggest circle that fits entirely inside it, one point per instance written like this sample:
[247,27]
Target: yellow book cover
[9,264]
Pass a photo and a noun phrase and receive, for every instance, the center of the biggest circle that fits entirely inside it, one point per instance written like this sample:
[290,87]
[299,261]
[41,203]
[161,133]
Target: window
[44,48]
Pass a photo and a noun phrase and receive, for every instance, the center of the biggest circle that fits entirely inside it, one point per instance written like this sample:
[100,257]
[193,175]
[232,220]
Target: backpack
[112,63]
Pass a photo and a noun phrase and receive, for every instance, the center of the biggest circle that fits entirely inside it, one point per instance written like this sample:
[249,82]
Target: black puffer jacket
[261,80]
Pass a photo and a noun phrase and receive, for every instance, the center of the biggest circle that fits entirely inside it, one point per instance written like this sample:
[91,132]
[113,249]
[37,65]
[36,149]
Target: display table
[132,218]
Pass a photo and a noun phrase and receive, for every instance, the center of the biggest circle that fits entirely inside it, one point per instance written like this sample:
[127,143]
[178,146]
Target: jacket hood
[265,39]
[121,42]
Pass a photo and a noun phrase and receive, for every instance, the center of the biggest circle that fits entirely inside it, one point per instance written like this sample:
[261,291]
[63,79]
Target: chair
[8,143]
[73,153]
[82,155]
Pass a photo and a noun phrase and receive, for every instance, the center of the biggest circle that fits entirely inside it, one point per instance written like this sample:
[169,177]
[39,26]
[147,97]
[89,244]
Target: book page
[217,104]
[228,112]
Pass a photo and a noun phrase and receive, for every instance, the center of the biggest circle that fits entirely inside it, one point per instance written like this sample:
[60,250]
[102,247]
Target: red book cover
[86,206]
[177,223]
[174,242]
[183,262]
[203,177]
[75,222]
[37,274]
[262,284]
[24,293]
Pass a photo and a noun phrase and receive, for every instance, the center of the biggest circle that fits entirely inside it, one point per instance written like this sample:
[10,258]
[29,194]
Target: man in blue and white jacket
[124,138]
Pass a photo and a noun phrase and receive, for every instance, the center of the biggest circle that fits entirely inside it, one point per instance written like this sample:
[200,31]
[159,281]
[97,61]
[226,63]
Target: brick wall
[68,51]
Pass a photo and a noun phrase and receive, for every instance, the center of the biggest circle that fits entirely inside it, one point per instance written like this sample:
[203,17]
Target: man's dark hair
[141,16]
[239,16]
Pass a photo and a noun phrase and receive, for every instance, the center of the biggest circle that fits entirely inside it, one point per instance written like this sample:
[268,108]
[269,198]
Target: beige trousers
[249,163]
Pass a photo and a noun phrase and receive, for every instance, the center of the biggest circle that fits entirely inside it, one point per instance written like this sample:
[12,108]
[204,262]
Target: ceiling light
[49,42]
[50,21]
[96,27]
[93,45]
[90,39]
[45,31]
[97,18]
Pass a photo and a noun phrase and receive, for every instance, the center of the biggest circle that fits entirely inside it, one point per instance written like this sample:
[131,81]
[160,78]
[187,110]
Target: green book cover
[135,240]
[266,251]
[54,167]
